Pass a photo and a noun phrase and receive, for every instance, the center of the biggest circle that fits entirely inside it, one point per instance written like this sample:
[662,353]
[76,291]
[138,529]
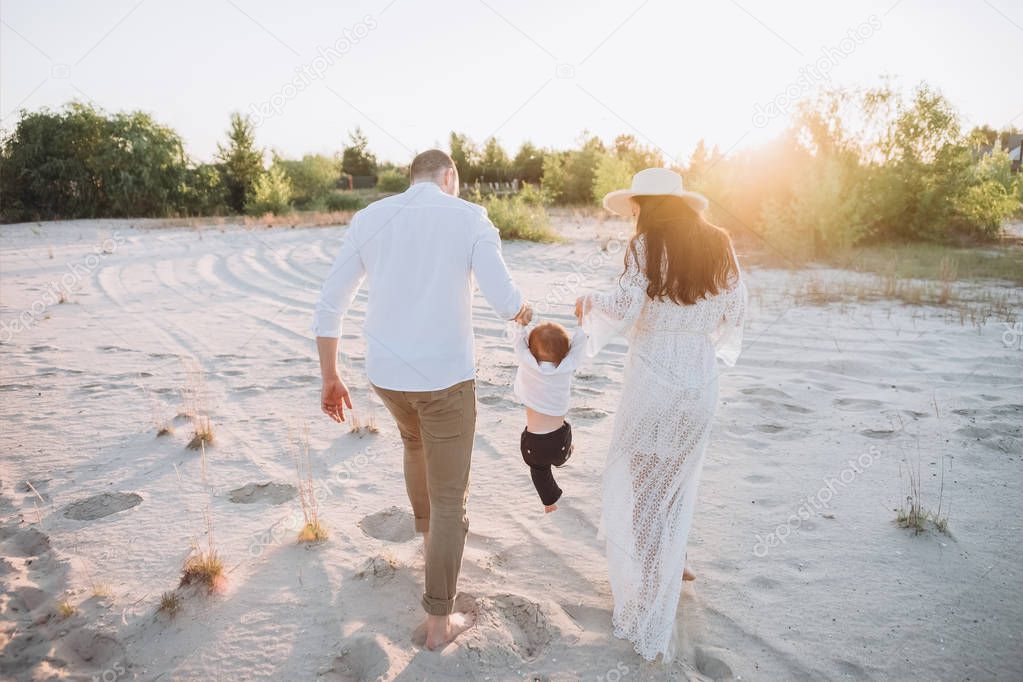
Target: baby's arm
[577,348]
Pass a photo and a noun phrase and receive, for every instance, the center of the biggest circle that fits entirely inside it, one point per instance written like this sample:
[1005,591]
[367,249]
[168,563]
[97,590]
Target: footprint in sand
[392,524]
[857,404]
[362,657]
[274,493]
[520,619]
[491,399]
[586,413]
[765,391]
[98,506]
[879,434]
[36,487]
[378,569]
[770,428]
[94,649]
[26,543]
[710,665]
[28,598]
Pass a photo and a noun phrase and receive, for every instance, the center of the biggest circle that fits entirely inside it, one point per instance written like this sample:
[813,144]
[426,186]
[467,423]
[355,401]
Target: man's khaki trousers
[437,428]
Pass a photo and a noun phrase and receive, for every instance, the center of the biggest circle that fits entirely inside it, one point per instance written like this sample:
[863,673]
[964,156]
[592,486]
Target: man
[420,250]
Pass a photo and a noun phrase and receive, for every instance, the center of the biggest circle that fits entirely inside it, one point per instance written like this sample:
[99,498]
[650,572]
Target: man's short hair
[430,164]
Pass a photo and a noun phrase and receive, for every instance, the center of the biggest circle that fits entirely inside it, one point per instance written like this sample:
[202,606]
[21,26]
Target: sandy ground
[803,572]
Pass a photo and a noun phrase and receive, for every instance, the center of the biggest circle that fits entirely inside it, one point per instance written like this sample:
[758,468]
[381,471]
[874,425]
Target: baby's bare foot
[688,575]
[548,508]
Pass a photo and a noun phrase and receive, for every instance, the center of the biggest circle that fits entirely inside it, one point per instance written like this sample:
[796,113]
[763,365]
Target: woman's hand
[334,397]
[582,306]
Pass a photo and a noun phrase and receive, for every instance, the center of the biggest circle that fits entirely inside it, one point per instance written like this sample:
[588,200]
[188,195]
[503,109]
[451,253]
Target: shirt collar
[426,186]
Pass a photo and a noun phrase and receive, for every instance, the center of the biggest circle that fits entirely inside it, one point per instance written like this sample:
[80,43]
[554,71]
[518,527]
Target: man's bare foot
[688,575]
[548,508]
[442,630]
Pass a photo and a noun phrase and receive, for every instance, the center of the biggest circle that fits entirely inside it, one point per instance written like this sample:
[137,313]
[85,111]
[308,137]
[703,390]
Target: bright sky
[409,71]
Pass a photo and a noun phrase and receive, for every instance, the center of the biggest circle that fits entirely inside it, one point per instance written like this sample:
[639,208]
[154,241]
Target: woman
[682,299]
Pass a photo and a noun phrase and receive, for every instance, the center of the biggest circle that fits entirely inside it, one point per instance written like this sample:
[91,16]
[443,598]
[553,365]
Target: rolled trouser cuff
[438,607]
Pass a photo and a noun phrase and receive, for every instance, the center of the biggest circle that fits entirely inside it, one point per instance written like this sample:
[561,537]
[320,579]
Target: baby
[547,356]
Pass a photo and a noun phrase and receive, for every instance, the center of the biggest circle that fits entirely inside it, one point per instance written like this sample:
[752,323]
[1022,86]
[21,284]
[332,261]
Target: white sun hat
[653,182]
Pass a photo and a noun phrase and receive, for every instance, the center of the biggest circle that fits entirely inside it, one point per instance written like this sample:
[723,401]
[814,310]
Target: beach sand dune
[803,571]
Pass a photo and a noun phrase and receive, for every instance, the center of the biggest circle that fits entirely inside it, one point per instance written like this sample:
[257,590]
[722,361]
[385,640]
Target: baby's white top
[544,386]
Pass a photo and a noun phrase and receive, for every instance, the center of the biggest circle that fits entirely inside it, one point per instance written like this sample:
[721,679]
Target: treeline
[852,167]
[866,167]
[81,162]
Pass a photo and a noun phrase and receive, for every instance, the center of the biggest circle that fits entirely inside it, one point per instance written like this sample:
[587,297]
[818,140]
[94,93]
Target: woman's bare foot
[442,630]
[688,575]
[548,508]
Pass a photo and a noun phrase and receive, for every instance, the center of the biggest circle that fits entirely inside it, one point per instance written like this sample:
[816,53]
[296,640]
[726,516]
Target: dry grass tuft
[66,609]
[204,567]
[913,514]
[359,427]
[170,603]
[312,530]
[195,396]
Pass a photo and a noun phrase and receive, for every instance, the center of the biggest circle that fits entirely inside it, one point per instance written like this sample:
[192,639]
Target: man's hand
[525,315]
[334,397]
[582,306]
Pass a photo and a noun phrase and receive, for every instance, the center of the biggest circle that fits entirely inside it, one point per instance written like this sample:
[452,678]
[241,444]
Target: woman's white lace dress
[660,434]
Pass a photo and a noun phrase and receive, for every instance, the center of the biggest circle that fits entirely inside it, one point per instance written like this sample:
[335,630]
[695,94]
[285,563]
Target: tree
[313,178]
[612,173]
[466,157]
[241,162]
[82,162]
[271,193]
[638,157]
[494,164]
[554,178]
[580,167]
[356,159]
[528,164]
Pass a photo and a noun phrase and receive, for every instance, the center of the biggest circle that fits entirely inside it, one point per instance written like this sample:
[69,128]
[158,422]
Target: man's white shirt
[418,252]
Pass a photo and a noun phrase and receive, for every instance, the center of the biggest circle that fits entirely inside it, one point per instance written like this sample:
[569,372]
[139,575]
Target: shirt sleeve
[520,341]
[608,314]
[340,286]
[491,272]
[577,350]
[727,338]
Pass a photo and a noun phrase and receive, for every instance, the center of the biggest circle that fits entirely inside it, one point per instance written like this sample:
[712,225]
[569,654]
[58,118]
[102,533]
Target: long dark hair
[687,258]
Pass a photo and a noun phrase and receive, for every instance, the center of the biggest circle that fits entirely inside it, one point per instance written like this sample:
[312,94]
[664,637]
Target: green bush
[392,180]
[313,178]
[534,195]
[271,193]
[83,163]
[204,192]
[518,217]
[346,201]
[612,173]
